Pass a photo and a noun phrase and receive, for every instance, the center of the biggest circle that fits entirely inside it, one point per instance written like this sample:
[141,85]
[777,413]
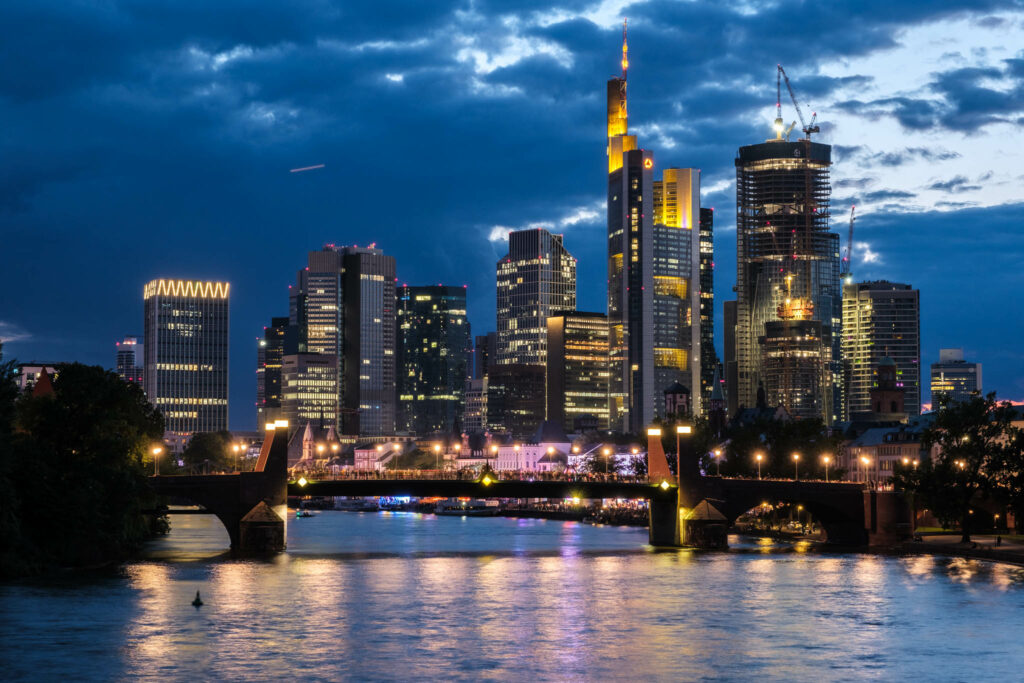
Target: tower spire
[625,50]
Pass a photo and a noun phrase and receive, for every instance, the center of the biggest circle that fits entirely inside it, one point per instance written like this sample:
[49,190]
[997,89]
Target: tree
[209,452]
[78,454]
[977,447]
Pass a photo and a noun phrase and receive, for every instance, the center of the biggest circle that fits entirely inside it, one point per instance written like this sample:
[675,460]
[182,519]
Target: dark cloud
[955,184]
[882,195]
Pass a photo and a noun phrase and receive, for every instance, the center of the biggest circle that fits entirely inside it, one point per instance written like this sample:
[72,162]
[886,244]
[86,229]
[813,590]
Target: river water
[385,596]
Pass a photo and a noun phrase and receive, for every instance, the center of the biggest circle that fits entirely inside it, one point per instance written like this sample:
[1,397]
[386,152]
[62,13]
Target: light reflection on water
[373,596]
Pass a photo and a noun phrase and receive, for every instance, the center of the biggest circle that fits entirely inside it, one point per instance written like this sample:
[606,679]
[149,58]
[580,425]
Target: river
[384,596]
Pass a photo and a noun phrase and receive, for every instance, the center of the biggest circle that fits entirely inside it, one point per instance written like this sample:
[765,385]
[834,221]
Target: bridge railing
[470,475]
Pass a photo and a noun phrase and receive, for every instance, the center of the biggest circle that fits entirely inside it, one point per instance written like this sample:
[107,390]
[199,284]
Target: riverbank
[981,547]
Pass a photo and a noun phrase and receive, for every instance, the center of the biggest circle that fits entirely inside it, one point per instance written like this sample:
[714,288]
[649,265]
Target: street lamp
[826,459]
[494,452]
[796,466]
[437,456]
[320,448]
[758,457]
[156,459]
[236,448]
[606,452]
[718,462]
[865,462]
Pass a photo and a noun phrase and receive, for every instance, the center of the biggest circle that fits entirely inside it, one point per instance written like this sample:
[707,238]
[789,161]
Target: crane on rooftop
[806,127]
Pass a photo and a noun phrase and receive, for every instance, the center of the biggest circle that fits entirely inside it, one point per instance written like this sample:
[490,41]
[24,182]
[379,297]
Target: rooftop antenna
[625,49]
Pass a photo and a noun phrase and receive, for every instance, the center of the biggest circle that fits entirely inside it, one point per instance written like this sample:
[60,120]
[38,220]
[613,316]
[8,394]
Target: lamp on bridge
[826,459]
[758,457]
[606,452]
[796,466]
[437,456]
[494,453]
[157,450]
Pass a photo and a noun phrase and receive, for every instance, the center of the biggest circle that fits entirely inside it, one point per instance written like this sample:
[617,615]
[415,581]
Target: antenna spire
[625,50]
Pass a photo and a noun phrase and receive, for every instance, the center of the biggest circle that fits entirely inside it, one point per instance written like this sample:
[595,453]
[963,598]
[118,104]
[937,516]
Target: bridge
[252,505]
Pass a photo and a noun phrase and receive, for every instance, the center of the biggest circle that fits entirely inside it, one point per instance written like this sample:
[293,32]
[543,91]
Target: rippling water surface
[371,596]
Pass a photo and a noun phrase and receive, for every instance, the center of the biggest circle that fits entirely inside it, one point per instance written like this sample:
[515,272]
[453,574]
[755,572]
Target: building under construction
[787,277]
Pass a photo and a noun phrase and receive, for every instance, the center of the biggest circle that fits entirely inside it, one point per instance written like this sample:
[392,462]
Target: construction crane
[848,259]
[806,127]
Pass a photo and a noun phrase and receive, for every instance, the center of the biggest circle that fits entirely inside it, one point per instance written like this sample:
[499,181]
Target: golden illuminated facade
[309,389]
[577,370]
[186,354]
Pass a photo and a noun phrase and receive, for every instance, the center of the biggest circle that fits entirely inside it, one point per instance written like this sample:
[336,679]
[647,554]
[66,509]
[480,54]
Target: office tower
[128,367]
[515,399]
[787,278]
[954,376]
[708,356]
[731,365]
[433,338]
[677,296]
[880,320]
[269,358]
[186,354]
[536,279]
[474,416]
[309,389]
[485,353]
[577,369]
[343,305]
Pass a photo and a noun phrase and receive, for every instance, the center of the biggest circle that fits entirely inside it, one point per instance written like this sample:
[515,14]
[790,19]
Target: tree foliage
[209,452]
[72,479]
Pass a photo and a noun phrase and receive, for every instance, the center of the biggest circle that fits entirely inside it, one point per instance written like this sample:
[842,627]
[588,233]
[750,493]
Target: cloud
[955,184]
[10,332]
[882,195]
[865,253]
[581,215]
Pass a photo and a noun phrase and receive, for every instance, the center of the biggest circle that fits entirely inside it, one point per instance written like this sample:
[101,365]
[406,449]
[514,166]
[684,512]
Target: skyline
[254,102]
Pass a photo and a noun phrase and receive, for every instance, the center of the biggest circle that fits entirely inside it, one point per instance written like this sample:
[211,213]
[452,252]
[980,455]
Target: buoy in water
[198,602]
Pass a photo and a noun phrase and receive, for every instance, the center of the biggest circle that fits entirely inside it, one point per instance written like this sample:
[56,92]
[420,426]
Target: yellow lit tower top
[619,141]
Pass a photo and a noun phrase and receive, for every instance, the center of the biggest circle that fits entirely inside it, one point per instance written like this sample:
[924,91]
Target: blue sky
[154,139]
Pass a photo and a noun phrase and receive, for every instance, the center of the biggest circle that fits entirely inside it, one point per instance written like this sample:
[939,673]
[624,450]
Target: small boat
[452,507]
[300,514]
[198,602]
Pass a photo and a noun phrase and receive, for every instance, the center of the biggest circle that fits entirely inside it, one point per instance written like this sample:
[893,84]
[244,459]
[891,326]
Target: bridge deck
[453,488]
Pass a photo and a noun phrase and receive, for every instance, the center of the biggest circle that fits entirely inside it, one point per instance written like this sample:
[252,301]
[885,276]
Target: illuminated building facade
[708,357]
[269,357]
[474,416]
[343,305]
[954,376]
[433,340]
[880,320]
[128,367]
[536,279]
[186,354]
[787,270]
[515,399]
[309,389]
[653,263]
[577,369]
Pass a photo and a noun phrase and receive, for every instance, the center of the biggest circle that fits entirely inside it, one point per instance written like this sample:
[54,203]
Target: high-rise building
[485,353]
[128,367]
[708,357]
[343,305]
[270,353]
[474,416]
[536,279]
[309,389]
[433,339]
[186,354]
[515,399]
[731,365]
[954,376]
[653,267]
[577,369]
[880,320]
[787,276]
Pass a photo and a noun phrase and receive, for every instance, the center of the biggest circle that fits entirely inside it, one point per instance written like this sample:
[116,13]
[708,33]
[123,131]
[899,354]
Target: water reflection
[367,596]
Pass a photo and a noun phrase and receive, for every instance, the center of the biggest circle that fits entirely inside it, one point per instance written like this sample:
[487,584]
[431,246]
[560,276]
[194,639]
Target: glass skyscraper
[186,354]
[577,369]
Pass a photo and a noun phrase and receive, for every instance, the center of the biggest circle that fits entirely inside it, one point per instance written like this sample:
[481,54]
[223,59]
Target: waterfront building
[186,354]
[270,353]
[433,336]
[787,278]
[954,376]
[879,451]
[309,389]
[515,399]
[343,305]
[485,353]
[880,320]
[577,369]
[708,357]
[536,279]
[474,416]
[654,258]
[127,366]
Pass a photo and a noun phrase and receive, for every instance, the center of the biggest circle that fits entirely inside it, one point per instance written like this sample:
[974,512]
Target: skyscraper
[880,320]
[653,264]
[954,376]
[577,369]
[186,353]
[433,339]
[536,279]
[128,367]
[787,278]
[731,364]
[515,399]
[309,389]
[708,356]
[269,357]
[485,353]
[343,305]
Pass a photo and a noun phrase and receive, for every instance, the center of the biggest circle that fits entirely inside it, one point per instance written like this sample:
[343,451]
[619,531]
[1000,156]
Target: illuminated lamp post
[606,452]
[437,456]
[494,454]
[157,450]
[759,458]
[718,463]
[826,459]
[865,462]
[796,466]
[236,448]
